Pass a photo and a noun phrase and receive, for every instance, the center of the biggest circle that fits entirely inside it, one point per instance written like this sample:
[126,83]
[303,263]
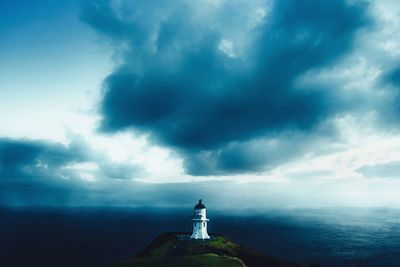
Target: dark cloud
[393,76]
[176,83]
[388,108]
[243,157]
[32,171]
[35,172]
[27,158]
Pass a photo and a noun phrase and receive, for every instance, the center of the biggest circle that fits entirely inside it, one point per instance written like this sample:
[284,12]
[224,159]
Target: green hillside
[168,250]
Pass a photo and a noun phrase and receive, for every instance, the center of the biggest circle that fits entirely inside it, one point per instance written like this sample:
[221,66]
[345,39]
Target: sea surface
[96,236]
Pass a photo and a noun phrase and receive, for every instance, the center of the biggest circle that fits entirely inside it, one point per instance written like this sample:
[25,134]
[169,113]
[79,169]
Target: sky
[246,104]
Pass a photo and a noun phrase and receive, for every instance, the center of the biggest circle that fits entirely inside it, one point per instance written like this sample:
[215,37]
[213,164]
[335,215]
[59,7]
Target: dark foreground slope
[167,250]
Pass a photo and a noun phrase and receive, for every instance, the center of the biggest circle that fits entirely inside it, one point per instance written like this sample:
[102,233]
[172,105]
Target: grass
[208,259]
[218,245]
[221,243]
[162,250]
[167,251]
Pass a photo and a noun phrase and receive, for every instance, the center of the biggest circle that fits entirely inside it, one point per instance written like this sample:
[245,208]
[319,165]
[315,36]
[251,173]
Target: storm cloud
[393,77]
[28,158]
[35,172]
[206,80]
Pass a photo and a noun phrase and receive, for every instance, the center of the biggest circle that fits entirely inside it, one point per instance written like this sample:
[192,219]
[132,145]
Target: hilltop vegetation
[167,250]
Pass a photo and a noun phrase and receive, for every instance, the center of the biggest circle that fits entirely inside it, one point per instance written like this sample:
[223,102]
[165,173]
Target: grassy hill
[168,250]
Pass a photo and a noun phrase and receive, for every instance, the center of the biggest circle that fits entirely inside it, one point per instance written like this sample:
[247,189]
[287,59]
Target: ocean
[88,237]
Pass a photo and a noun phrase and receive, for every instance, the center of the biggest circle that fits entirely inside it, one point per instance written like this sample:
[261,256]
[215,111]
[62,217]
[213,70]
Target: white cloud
[227,47]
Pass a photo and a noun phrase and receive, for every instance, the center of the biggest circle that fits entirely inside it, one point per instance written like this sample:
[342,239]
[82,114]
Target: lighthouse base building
[200,222]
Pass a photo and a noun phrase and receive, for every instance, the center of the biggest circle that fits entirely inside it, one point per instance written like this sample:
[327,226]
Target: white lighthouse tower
[200,222]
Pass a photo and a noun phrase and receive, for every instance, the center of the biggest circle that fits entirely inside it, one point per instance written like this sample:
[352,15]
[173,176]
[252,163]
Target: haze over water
[92,236]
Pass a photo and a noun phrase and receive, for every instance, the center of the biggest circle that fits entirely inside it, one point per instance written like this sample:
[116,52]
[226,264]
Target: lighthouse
[200,222]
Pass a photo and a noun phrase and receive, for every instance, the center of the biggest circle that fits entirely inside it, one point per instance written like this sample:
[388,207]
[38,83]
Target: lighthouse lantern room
[200,222]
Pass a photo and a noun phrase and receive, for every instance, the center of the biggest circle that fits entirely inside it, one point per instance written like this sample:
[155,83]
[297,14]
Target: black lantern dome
[199,206]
